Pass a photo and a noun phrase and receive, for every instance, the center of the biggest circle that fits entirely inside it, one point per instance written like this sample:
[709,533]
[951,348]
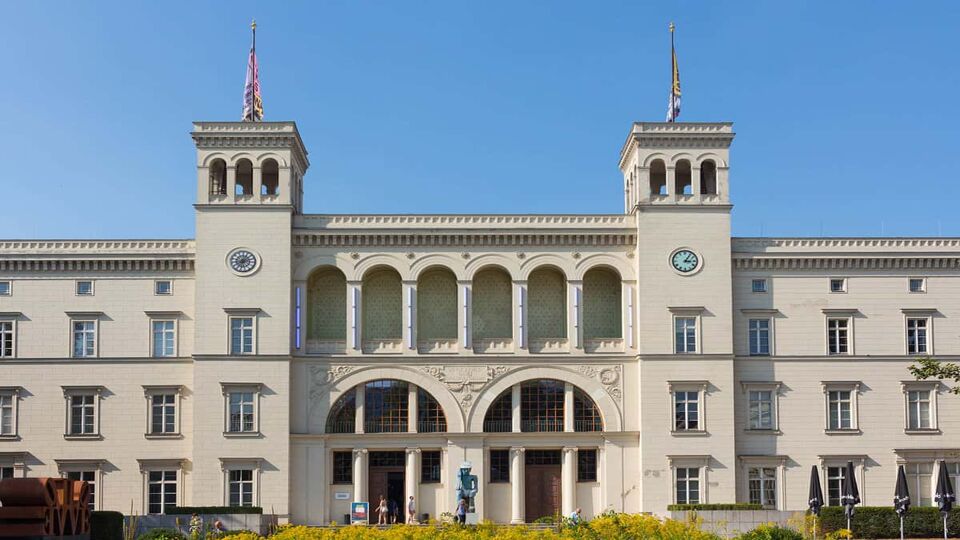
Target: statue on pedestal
[467,486]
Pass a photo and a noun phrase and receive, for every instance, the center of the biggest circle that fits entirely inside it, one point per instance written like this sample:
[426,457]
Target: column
[411,479]
[410,315]
[463,313]
[257,182]
[515,398]
[412,409]
[516,485]
[568,479]
[360,474]
[723,179]
[575,314]
[519,315]
[568,426]
[695,182]
[231,183]
[359,409]
[628,330]
[671,183]
[353,315]
[643,184]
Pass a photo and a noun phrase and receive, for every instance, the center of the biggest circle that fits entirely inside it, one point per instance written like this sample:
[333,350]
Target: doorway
[387,478]
[542,484]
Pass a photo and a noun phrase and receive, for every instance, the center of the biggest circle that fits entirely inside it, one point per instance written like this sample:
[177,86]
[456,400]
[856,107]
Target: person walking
[382,511]
[411,511]
[394,510]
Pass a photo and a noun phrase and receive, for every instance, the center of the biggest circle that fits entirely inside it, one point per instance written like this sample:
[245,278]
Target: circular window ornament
[243,261]
[685,261]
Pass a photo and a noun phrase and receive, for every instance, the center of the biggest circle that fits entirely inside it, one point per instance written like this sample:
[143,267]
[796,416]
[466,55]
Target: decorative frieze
[609,376]
[465,382]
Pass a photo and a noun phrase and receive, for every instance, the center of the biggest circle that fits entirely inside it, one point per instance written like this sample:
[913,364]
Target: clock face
[243,261]
[685,261]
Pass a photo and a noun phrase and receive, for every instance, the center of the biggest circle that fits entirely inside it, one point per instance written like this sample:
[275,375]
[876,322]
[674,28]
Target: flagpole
[673,59]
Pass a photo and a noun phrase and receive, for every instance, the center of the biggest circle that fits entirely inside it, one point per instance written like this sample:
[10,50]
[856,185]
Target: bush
[162,534]
[883,522]
[708,507]
[106,526]
[179,510]
[771,532]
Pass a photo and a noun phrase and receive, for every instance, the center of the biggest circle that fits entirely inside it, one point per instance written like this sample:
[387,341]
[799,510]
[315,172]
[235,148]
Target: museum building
[620,362]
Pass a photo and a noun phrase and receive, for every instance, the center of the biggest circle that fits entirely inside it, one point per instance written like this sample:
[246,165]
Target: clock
[685,261]
[243,261]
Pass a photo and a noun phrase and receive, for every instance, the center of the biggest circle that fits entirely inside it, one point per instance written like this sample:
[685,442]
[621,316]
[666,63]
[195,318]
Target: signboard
[342,496]
[359,513]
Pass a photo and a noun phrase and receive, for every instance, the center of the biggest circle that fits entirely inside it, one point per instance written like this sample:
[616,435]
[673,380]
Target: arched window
[586,415]
[602,304]
[436,306]
[382,305]
[343,414]
[708,177]
[244,177]
[385,407]
[499,418]
[270,177]
[326,310]
[658,178]
[218,177]
[684,178]
[541,405]
[492,312]
[547,301]
[430,417]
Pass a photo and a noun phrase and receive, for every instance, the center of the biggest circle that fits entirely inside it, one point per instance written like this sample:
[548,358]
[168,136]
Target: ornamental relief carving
[321,378]
[465,382]
[608,376]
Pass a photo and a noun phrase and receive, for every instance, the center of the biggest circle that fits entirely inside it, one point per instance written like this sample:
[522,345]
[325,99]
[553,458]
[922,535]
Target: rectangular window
[838,334]
[240,487]
[82,414]
[917,285]
[587,465]
[241,412]
[343,467]
[7,426]
[920,483]
[6,339]
[430,467]
[688,485]
[241,335]
[4,288]
[90,477]
[163,414]
[917,335]
[686,411]
[499,466]
[919,410]
[840,406]
[161,491]
[838,285]
[685,329]
[759,286]
[84,288]
[762,484]
[84,339]
[164,338]
[6,472]
[761,409]
[759,337]
[953,470]
[163,287]
[835,477]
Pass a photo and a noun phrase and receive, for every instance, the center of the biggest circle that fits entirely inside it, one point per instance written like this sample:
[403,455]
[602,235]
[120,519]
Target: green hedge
[883,522]
[180,510]
[708,507]
[106,526]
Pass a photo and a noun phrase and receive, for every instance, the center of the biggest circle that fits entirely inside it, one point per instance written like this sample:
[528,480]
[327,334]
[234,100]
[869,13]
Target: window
[343,467]
[838,334]
[917,335]
[241,412]
[163,414]
[163,287]
[386,407]
[838,285]
[6,472]
[953,470]
[499,417]
[686,411]
[430,467]
[761,409]
[343,415]
[241,335]
[84,288]
[6,339]
[4,288]
[762,485]
[90,477]
[587,465]
[920,482]
[164,338]
[759,286]
[541,405]
[687,485]
[835,476]
[921,403]
[161,491]
[840,405]
[759,337]
[84,339]
[917,285]
[586,415]
[82,414]
[430,417]
[685,330]
[240,487]
[499,466]
[8,412]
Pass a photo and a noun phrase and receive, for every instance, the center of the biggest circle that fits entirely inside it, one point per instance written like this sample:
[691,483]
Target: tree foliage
[931,368]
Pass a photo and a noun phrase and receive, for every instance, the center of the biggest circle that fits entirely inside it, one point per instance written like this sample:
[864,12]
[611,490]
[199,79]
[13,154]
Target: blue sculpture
[467,486]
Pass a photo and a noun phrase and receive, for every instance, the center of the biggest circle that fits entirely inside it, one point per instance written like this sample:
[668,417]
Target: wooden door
[542,491]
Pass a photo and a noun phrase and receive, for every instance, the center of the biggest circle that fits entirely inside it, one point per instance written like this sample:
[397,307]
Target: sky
[846,113]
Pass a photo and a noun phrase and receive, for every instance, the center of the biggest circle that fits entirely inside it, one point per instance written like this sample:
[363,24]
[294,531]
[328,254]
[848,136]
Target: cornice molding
[759,245]
[78,247]
[218,135]
[464,221]
[97,265]
[303,239]
[864,261]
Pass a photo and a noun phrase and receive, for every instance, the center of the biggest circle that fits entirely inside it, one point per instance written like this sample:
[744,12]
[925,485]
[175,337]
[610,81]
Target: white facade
[299,362]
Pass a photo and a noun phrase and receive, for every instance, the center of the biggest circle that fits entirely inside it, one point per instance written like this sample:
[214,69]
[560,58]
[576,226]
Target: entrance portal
[542,484]
[387,478]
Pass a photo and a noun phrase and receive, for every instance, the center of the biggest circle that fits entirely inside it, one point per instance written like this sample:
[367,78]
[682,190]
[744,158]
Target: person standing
[462,512]
[411,510]
[394,510]
[382,511]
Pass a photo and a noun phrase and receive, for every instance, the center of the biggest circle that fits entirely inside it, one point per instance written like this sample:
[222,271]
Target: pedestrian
[411,511]
[575,517]
[394,510]
[382,511]
[462,512]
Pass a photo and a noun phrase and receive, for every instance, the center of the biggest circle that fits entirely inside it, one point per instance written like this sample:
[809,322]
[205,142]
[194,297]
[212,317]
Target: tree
[930,368]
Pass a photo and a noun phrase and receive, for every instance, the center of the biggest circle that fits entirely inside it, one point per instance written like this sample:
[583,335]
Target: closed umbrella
[944,495]
[815,498]
[850,496]
[901,497]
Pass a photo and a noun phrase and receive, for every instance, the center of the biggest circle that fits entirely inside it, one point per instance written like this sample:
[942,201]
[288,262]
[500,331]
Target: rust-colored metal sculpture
[44,507]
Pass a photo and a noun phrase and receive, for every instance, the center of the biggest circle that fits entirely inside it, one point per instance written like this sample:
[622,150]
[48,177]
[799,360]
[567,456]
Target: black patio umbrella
[901,497]
[815,498]
[944,495]
[850,495]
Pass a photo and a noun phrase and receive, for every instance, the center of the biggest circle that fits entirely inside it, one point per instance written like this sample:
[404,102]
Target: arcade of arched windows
[683,179]
[241,178]
[386,406]
[543,405]
[490,313]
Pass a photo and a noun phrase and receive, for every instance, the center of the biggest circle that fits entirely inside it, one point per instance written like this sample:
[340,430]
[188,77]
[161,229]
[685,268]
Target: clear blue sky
[846,113]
